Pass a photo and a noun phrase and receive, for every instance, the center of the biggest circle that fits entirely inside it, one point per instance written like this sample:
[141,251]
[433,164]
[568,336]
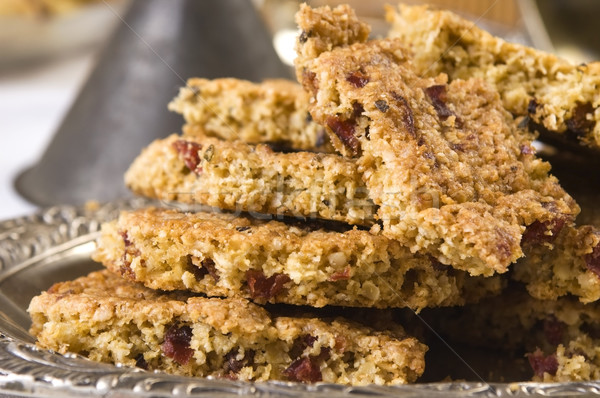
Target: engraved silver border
[26,370]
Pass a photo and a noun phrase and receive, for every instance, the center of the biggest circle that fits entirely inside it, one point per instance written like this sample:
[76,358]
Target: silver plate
[55,245]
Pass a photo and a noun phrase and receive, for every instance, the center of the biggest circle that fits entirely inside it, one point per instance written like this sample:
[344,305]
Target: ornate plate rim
[27,370]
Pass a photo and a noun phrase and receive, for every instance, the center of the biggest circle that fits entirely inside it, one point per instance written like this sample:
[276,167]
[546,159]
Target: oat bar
[572,267]
[558,96]
[447,165]
[269,261]
[111,320]
[242,177]
[274,111]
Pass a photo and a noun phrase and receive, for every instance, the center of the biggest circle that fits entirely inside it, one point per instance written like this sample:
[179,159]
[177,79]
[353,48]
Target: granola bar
[269,261]
[558,96]
[452,173]
[558,337]
[108,319]
[242,177]
[572,267]
[274,111]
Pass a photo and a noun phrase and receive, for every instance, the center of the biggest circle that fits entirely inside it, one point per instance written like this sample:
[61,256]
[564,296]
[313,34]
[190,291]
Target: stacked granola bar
[380,181]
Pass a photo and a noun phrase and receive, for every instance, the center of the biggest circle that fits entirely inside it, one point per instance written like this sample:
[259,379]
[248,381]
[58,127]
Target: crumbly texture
[269,261]
[274,111]
[572,267]
[450,170]
[561,97]
[108,319]
[241,177]
[560,337]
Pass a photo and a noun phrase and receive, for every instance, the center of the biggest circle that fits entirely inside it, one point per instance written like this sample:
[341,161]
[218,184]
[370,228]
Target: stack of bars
[399,174]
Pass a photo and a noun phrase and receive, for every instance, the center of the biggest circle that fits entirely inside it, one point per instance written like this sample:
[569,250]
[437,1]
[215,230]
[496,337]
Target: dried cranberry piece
[382,105]
[532,106]
[177,344]
[344,130]
[300,344]
[407,117]
[537,232]
[340,275]
[262,287]
[437,94]
[358,78]
[592,260]
[303,370]
[206,267]
[125,237]
[553,330]
[579,123]
[130,251]
[199,272]
[304,35]
[233,365]
[543,364]
[140,362]
[189,153]
[209,265]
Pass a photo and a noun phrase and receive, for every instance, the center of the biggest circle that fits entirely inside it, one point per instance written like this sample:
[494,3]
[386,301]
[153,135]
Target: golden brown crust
[241,177]
[269,261]
[446,164]
[561,97]
[274,111]
[111,320]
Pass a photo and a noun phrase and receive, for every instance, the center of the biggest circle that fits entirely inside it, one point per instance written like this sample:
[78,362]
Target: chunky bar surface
[451,172]
[571,267]
[242,177]
[561,97]
[559,337]
[269,261]
[274,111]
[111,320]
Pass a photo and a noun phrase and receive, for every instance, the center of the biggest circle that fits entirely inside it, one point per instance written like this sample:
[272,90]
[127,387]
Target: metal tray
[55,245]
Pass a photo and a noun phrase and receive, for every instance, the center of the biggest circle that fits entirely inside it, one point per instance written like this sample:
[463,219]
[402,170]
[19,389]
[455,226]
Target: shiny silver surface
[55,245]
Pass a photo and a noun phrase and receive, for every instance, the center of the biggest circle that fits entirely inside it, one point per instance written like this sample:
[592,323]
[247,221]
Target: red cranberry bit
[209,265]
[263,287]
[140,362]
[199,272]
[130,251]
[344,130]
[304,35]
[189,153]
[543,231]
[579,123]
[592,260]
[407,117]
[300,344]
[303,370]
[125,237]
[532,106]
[177,344]
[233,365]
[382,106]
[340,275]
[553,330]
[437,95]
[358,78]
[543,364]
